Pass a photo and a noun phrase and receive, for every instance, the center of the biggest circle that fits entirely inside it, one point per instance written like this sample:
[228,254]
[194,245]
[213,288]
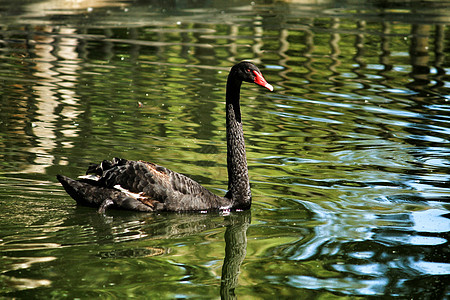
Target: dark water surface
[349,157]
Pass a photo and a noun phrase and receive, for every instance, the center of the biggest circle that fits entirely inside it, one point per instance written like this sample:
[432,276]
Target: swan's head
[246,71]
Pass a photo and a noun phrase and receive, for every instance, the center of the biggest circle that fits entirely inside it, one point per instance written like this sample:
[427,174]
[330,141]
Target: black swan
[144,186]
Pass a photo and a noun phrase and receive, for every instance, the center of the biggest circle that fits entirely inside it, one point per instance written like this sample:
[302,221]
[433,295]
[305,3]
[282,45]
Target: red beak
[259,80]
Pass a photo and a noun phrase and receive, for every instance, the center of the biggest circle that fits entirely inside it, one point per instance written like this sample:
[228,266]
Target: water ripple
[348,156]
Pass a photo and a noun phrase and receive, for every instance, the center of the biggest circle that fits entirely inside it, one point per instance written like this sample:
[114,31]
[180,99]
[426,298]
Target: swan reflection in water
[120,228]
[235,251]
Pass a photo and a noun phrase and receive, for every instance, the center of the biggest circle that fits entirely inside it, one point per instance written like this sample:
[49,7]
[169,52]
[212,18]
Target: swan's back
[143,186]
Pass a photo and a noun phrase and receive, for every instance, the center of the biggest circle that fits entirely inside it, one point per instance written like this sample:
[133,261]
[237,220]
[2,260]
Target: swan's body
[144,186]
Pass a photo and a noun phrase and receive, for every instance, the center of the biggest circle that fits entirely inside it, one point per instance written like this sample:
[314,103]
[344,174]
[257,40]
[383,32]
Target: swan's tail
[83,193]
[87,193]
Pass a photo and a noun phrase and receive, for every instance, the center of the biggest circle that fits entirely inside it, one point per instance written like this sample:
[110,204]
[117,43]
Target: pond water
[349,157]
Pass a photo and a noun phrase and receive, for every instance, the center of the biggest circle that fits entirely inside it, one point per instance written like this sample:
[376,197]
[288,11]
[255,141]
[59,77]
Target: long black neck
[238,181]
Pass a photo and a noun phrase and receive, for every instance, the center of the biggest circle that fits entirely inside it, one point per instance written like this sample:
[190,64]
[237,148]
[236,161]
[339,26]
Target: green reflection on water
[348,158]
